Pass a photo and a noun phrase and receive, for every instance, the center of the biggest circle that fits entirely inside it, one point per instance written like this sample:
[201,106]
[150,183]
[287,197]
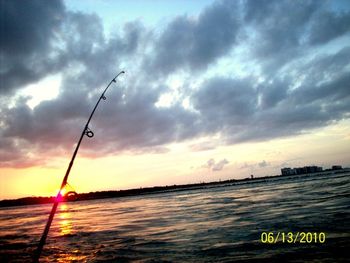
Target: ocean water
[217,224]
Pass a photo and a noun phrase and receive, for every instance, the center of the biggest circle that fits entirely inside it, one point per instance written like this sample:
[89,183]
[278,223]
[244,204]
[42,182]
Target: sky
[213,90]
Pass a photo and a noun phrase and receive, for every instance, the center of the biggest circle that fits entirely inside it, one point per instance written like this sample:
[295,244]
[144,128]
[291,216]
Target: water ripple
[216,224]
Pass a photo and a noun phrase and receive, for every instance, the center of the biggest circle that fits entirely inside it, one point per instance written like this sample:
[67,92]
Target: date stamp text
[292,237]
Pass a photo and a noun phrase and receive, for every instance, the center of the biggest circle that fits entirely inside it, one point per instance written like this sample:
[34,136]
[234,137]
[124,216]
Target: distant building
[288,171]
[301,170]
[319,169]
[337,167]
[313,169]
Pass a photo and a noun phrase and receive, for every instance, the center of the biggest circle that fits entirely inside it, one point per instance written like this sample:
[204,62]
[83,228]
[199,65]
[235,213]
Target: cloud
[27,35]
[204,146]
[326,77]
[224,102]
[215,166]
[210,163]
[276,107]
[190,43]
[253,166]
[280,26]
[263,164]
[220,165]
[329,25]
[273,92]
[35,35]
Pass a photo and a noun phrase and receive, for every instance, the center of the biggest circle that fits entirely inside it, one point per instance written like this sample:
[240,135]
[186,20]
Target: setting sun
[63,192]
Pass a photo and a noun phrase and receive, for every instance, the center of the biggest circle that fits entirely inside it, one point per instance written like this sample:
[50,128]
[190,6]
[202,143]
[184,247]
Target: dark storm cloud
[39,38]
[88,46]
[76,46]
[286,30]
[136,123]
[27,32]
[131,123]
[223,101]
[280,25]
[16,157]
[294,92]
[329,92]
[43,130]
[329,25]
[273,93]
[194,43]
[246,111]
[27,26]
[327,78]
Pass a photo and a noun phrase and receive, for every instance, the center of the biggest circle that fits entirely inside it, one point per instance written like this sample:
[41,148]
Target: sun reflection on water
[71,258]
[66,230]
[65,222]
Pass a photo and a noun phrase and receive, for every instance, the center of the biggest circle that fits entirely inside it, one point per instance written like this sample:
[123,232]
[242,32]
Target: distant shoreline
[156,189]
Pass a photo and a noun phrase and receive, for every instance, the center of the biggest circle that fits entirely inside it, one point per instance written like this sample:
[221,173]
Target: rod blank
[86,131]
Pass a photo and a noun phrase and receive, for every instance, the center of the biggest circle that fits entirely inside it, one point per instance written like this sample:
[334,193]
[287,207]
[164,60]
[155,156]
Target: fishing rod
[88,133]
